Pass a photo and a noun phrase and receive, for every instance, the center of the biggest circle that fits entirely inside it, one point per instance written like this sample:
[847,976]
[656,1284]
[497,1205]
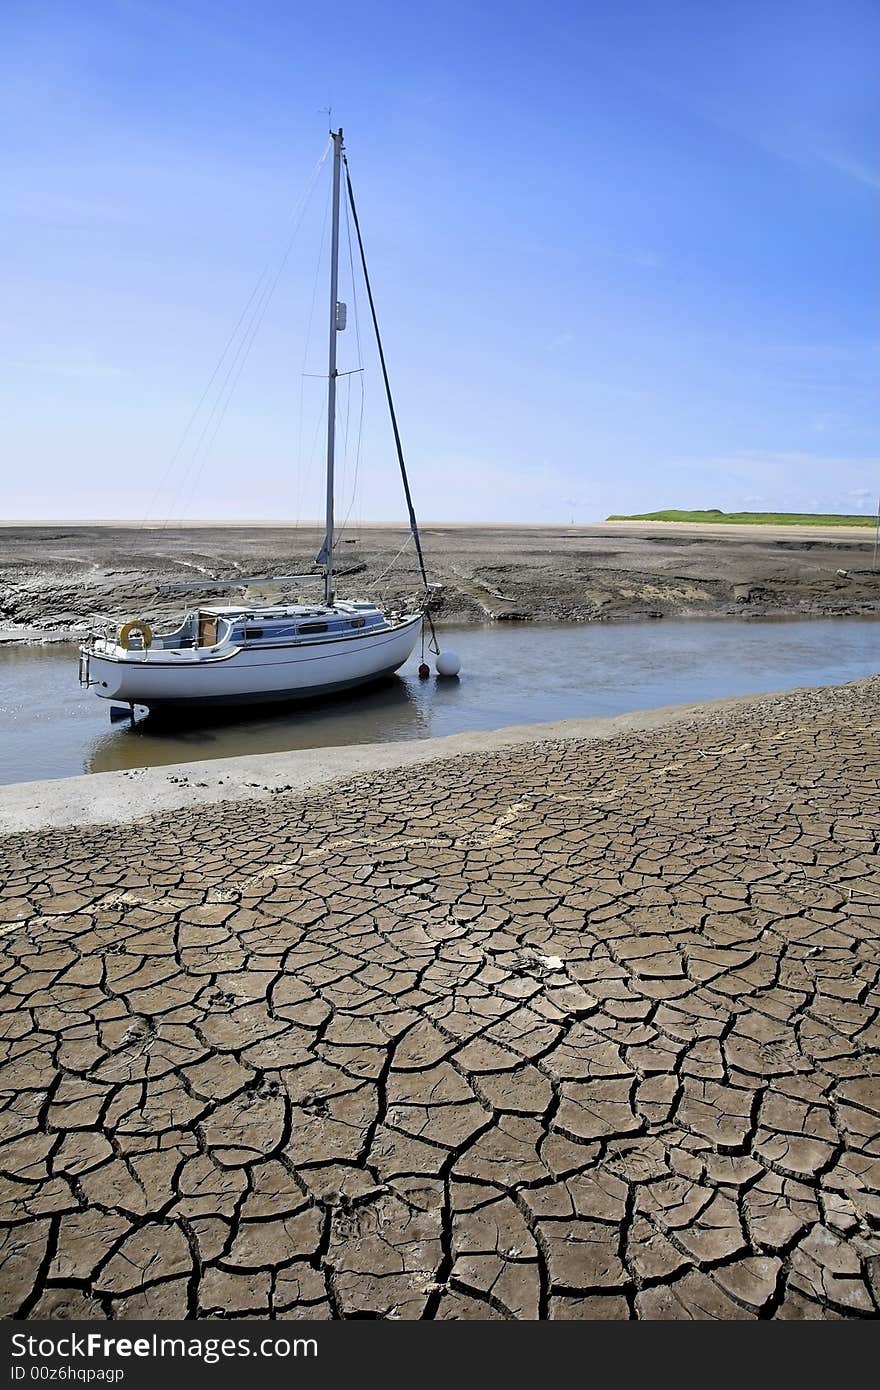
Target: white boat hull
[251,675]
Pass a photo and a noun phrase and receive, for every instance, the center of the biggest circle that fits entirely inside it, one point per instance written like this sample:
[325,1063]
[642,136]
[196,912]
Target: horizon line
[287,525]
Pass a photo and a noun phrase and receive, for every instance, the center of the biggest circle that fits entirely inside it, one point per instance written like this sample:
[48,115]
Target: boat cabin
[216,625]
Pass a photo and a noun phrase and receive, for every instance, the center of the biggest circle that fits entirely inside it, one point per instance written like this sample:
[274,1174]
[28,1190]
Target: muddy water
[511,674]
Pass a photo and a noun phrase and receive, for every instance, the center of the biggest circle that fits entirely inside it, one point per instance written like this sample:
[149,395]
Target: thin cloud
[82,368]
[850,168]
[563,340]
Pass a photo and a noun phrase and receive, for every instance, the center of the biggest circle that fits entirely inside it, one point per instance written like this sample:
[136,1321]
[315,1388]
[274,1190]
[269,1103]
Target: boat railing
[101,629]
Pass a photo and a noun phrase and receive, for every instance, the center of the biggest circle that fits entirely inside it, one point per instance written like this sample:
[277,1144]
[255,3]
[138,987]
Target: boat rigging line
[253,311]
[303,478]
[414,525]
[360,368]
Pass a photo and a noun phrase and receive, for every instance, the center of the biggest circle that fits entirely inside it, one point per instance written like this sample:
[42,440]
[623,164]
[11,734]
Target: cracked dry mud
[579,1030]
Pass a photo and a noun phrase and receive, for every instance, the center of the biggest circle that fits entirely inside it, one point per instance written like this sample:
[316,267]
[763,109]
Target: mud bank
[55,579]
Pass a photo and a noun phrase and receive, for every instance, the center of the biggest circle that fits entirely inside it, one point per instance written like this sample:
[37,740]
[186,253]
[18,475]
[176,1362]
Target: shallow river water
[511,674]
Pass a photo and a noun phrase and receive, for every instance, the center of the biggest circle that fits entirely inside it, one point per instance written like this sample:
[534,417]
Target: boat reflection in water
[388,711]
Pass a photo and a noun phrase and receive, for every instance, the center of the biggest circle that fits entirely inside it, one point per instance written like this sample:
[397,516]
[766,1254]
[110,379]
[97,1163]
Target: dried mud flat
[54,579]
[576,1030]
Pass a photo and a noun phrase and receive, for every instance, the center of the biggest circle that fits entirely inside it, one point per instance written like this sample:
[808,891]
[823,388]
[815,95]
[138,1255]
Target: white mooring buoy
[448,664]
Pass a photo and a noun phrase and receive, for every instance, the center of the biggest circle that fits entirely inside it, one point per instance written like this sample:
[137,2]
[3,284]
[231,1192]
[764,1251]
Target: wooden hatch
[207,630]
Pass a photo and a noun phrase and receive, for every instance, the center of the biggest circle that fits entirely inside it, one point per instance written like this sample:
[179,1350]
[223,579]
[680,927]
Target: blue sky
[625,256]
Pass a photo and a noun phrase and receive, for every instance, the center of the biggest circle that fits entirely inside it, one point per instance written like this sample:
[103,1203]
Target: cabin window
[358,622]
[312,627]
[252,632]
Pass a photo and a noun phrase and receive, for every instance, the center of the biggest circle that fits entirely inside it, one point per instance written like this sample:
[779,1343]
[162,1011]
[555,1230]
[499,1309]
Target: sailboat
[239,653]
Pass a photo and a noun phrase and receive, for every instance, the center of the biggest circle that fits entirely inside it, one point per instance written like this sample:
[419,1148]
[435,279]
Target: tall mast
[326,555]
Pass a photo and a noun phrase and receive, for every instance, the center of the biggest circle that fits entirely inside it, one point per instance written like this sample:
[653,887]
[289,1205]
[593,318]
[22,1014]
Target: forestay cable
[414,525]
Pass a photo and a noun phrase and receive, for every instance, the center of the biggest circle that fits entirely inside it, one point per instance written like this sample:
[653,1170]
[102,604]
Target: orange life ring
[136,625]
